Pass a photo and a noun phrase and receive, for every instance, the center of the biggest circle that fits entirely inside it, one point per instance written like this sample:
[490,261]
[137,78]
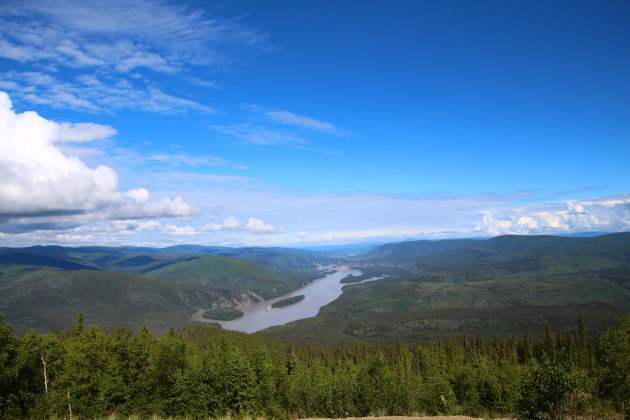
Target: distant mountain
[41,260]
[612,249]
[280,258]
[348,250]
[586,234]
[138,260]
[503,285]
[414,249]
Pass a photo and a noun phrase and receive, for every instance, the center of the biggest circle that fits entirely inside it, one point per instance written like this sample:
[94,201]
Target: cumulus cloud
[83,132]
[132,227]
[181,230]
[38,180]
[251,225]
[601,214]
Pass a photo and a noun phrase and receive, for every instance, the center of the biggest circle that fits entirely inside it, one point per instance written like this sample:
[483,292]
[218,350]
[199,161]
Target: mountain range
[502,285]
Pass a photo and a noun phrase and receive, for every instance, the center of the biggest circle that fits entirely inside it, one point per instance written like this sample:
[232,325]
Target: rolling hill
[413,249]
[229,274]
[46,298]
[504,285]
[44,287]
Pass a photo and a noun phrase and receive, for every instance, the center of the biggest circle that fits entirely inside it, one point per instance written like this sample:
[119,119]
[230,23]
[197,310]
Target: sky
[301,123]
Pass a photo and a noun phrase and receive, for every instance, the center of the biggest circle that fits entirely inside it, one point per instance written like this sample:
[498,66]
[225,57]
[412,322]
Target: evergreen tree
[615,361]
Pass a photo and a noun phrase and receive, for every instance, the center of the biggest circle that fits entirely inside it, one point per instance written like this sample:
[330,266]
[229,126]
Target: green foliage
[227,273]
[504,285]
[436,342]
[42,287]
[546,390]
[9,402]
[204,372]
[47,299]
[288,301]
[614,355]
[223,314]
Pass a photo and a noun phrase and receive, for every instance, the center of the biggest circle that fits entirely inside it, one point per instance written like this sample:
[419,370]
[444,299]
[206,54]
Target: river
[318,293]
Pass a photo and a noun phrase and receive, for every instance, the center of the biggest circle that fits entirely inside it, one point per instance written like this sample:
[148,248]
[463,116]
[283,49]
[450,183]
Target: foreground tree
[615,362]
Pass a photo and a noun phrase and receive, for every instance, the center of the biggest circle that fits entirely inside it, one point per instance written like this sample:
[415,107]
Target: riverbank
[257,316]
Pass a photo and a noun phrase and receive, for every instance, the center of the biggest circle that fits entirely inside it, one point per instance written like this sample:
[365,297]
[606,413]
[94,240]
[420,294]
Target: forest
[201,372]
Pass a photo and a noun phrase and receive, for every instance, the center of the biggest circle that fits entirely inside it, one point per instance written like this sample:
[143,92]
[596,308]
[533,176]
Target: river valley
[318,293]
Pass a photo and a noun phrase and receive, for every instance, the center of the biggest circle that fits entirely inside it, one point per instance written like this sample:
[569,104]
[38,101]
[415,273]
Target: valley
[417,290]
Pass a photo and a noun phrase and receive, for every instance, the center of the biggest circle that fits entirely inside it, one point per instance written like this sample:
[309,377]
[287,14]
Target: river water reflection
[316,294]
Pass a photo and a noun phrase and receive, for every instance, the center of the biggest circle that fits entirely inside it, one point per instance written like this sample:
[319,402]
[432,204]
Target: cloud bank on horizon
[118,133]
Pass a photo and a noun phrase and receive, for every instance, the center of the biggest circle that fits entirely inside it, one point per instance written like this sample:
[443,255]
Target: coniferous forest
[202,372]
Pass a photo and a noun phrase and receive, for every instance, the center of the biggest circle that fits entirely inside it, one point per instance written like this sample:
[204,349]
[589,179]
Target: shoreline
[263,315]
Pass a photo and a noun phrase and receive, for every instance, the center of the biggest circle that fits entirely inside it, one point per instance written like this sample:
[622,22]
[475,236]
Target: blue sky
[301,123]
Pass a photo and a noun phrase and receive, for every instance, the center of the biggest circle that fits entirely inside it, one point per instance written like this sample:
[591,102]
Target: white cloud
[84,132]
[133,27]
[289,118]
[373,217]
[252,225]
[120,46]
[181,230]
[609,214]
[37,179]
[88,93]
[260,135]
[133,227]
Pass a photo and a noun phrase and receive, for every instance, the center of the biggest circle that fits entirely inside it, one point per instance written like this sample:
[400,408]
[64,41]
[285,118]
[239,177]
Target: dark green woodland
[203,371]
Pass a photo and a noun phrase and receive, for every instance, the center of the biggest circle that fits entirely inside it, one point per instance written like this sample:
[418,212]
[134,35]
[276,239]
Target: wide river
[318,293]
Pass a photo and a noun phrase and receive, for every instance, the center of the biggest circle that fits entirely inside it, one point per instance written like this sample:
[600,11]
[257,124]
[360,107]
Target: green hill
[44,287]
[227,273]
[41,260]
[46,299]
[414,249]
[504,285]
[138,260]
[612,247]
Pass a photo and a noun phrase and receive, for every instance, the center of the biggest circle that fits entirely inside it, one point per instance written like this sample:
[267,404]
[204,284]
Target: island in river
[316,294]
[286,302]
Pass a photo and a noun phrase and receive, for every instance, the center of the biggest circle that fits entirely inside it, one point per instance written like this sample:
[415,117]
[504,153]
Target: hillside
[44,287]
[229,274]
[45,299]
[122,260]
[138,260]
[41,260]
[504,285]
[413,249]
[611,248]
